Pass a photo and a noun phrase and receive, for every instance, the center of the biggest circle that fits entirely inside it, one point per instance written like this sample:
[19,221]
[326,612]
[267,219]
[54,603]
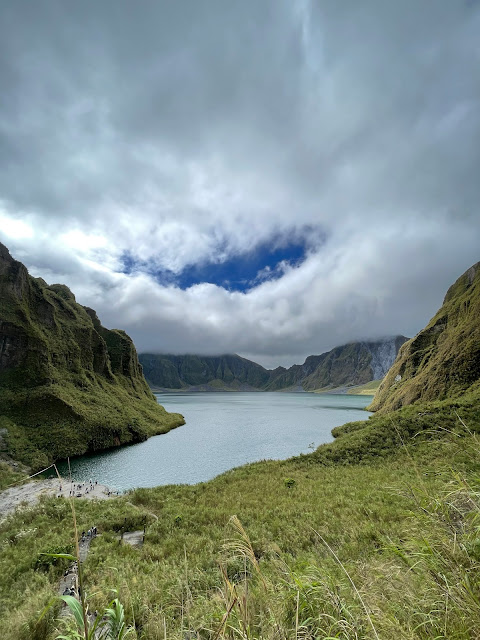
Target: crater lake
[222,431]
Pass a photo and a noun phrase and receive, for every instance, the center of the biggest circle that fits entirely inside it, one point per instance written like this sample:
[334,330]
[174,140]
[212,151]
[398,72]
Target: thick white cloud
[182,135]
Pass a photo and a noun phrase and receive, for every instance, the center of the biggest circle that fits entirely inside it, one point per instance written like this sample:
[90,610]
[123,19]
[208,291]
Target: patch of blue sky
[239,272]
[242,272]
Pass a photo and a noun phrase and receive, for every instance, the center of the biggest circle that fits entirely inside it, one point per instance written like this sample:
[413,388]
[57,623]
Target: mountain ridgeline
[67,384]
[353,364]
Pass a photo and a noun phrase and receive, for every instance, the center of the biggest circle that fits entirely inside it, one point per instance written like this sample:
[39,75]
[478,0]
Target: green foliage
[384,434]
[70,385]
[114,621]
[403,528]
[289,482]
[109,624]
[59,556]
[63,421]
[443,360]
[8,475]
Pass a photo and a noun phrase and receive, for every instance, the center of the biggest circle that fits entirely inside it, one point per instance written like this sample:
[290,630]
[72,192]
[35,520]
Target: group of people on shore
[90,489]
[77,488]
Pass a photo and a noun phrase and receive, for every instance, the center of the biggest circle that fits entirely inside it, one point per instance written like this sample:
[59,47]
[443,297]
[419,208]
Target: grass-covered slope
[380,550]
[443,360]
[67,384]
[368,389]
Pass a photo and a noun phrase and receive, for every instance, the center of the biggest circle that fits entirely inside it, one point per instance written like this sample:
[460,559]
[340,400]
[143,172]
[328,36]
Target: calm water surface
[222,431]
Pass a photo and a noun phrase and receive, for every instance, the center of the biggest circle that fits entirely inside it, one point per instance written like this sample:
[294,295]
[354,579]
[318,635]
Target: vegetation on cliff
[443,360]
[68,385]
[183,372]
[367,389]
[352,364]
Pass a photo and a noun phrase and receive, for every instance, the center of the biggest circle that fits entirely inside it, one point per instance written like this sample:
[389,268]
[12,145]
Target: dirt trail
[69,583]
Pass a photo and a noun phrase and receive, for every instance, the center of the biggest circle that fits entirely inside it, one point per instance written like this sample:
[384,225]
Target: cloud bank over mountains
[265,178]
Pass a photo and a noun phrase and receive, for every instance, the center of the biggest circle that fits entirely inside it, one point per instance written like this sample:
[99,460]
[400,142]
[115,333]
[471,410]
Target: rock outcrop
[443,360]
[67,384]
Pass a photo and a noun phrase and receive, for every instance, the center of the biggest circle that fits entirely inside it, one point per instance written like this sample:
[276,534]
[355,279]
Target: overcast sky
[267,177]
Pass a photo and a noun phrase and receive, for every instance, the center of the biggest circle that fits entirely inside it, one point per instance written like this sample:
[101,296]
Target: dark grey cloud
[189,131]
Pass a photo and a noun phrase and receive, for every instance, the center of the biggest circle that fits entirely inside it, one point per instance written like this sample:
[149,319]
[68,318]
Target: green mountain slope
[67,384]
[443,360]
[183,372]
[352,364]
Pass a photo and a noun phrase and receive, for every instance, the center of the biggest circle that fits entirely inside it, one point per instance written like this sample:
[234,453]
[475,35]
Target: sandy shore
[29,493]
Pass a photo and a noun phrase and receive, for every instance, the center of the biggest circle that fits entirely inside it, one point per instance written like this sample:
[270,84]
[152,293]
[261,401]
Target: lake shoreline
[222,431]
[29,493]
[206,389]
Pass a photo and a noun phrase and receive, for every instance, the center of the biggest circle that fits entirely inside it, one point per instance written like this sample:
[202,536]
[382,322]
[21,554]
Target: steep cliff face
[67,384]
[443,360]
[352,364]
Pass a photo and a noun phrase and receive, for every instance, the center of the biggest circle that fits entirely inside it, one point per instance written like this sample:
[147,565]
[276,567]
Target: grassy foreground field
[387,548]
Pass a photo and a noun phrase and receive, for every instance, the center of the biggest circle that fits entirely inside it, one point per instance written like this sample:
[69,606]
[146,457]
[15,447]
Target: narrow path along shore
[29,493]
[69,583]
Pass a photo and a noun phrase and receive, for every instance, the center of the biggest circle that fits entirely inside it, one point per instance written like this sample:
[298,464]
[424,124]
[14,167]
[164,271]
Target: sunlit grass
[387,548]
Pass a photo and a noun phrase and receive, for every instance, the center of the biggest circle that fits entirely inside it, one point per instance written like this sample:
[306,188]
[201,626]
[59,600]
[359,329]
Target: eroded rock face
[13,346]
[13,274]
[351,364]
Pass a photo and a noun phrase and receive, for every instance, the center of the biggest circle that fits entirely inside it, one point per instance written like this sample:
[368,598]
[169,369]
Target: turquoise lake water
[222,431]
